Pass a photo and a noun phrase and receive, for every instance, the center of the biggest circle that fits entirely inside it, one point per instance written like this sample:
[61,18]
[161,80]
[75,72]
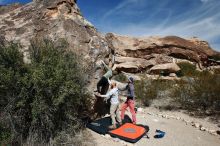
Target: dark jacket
[130,91]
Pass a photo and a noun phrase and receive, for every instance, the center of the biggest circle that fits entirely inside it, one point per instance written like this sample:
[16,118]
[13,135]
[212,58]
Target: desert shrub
[146,90]
[5,134]
[201,94]
[12,69]
[187,69]
[217,71]
[142,92]
[120,77]
[44,97]
[12,72]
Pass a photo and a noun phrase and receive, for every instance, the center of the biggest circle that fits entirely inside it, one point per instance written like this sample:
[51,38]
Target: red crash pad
[130,132]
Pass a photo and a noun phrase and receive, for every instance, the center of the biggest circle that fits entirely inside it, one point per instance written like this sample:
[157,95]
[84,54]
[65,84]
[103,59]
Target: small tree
[44,97]
[12,75]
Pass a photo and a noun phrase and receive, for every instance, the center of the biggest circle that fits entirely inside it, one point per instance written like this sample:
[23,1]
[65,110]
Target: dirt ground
[178,133]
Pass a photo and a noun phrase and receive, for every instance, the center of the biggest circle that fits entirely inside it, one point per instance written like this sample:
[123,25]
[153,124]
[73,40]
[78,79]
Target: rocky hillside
[56,19]
[148,53]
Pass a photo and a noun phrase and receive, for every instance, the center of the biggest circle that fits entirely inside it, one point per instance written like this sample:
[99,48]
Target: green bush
[142,93]
[46,96]
[12,74]
[200,94]
[146,90]
[120,77]
[187,69]
[5,134]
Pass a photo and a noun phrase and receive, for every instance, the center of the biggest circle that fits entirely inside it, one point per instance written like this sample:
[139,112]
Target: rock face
[53,19]
[6,9]
[165,68]
[131,64]
[145,52]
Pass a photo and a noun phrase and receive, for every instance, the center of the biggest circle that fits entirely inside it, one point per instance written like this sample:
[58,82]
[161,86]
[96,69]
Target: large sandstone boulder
[52,19]
[127,67]
[132,65]
[194,50]
[165,68]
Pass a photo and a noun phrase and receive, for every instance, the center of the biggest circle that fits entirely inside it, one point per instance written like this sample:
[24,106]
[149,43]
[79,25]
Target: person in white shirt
[114,108]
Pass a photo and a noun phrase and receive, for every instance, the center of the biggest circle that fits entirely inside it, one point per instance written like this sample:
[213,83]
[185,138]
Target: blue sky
[185,18]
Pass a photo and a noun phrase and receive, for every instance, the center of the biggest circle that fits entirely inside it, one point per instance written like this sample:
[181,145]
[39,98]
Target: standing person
[130,102]
[103,84]
[114,108]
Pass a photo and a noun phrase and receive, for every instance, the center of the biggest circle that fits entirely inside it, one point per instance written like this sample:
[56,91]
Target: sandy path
[177,133]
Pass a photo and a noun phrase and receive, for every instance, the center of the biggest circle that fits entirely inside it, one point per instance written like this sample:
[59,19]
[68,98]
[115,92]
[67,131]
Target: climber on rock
[103,84]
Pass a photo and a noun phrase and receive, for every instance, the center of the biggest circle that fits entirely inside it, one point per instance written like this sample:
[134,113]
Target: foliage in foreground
[43,98]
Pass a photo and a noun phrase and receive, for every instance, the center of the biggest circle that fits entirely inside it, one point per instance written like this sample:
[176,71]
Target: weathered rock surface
[165,68]
[132,65]
[8,8]
[53,19]
[149,51]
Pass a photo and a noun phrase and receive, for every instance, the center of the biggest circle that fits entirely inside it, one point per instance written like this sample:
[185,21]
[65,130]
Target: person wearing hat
[130,102]
[114,108]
